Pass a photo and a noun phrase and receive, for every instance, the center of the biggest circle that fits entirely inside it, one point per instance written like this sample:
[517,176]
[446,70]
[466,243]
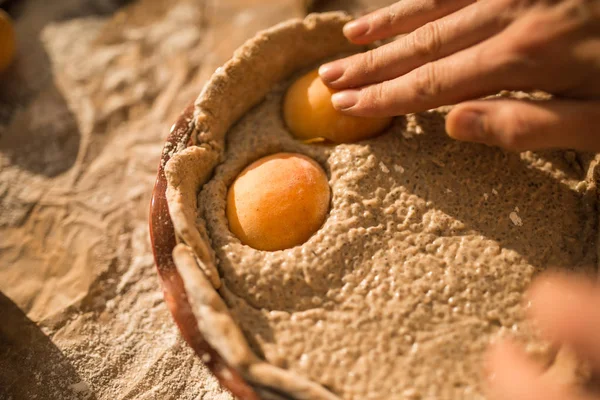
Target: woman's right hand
[457,51]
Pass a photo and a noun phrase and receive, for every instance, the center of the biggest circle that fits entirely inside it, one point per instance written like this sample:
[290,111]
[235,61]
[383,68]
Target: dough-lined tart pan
[495,244]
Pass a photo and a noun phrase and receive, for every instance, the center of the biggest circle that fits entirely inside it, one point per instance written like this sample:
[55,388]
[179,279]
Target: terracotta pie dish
[423,257]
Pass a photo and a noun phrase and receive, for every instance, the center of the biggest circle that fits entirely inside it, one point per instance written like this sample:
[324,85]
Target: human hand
[568,312]
[460,50]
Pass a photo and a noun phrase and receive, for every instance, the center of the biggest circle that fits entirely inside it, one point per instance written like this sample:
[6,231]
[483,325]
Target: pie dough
[423,259]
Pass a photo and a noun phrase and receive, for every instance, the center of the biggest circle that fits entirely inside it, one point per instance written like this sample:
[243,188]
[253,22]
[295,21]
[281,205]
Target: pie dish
[423,258]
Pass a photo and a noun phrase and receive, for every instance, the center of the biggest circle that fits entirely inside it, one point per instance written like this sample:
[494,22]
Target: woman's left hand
[568,312]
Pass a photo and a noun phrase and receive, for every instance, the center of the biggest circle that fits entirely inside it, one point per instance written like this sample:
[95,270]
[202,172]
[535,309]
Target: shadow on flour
[43,137]
[500,196]
[334,5]
[31,366]
[38,132]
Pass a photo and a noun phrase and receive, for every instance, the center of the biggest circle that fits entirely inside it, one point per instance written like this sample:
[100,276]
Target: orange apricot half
[278,202]
[7,41]
[309,114]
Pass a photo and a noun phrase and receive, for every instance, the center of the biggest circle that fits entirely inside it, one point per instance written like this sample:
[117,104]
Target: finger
[568,311]
[512,376]
[401,17]
[527,125]
[483,69]
[430,42]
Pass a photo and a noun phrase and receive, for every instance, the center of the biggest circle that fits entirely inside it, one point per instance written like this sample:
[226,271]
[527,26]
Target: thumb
[527,125]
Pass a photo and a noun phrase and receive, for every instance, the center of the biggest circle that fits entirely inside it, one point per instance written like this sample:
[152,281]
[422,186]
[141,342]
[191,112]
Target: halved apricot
[7,41]
[278,202]
[309,114]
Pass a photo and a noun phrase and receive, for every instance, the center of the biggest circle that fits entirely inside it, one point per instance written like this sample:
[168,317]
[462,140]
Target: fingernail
[468,125]
[331,72]
[345,100]
[356,28]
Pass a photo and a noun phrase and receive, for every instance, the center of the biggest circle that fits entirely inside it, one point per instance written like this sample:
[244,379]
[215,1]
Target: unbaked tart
[369,265]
